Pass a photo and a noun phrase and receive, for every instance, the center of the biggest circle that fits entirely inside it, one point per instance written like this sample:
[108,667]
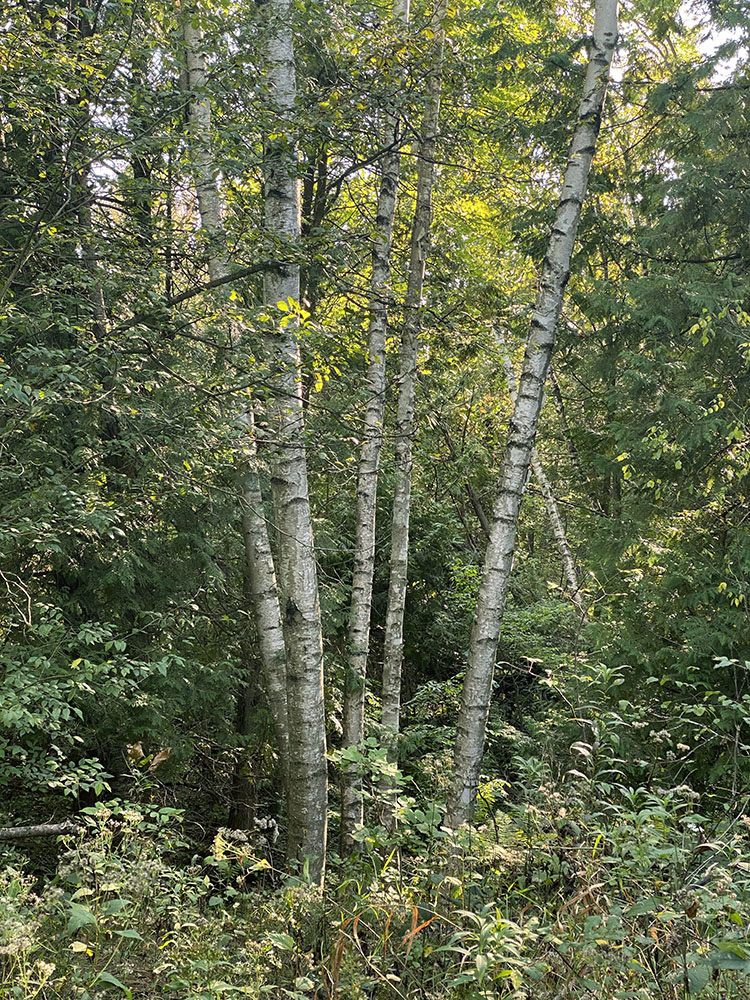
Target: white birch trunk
[202,160]
[259,560]
[261,577]
[296,566]
[561,537]
[477,688]
[367,473]
[553,512]
[420,241]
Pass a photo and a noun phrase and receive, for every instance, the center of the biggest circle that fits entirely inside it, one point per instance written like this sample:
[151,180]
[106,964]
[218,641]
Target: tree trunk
[420,242]
[205,172]
[259,561]
[553,512]
[561,537]
[261,580]
[297,571]
[477,688]
[367,473]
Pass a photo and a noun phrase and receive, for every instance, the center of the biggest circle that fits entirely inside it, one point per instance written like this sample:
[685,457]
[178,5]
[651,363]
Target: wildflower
[22,942]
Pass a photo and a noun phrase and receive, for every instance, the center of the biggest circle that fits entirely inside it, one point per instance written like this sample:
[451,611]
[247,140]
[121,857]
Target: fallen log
[41,830]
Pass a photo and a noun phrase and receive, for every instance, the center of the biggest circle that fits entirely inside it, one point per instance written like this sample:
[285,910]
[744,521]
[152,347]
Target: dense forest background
[269,273]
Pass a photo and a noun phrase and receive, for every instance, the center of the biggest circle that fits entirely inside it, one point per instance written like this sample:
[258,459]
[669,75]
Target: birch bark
[259,561]
[420,242]
[367,472]
[296,566]
[261,580]
[477,688]
[205,172]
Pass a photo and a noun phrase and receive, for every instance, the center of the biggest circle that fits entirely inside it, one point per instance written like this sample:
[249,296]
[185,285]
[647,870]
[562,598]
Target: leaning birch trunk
[296,566]
[367,473]
[477,688]
[420,242]
[553,512]
[259,560]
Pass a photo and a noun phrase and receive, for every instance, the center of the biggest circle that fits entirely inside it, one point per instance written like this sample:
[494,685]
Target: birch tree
[296,566]
[369,463]
[419,249]
[202,161]
[259,560]
[477,687]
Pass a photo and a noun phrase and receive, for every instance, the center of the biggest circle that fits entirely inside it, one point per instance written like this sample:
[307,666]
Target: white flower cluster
[659,736]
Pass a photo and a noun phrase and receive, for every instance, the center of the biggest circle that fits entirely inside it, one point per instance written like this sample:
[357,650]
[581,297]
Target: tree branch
[207,286]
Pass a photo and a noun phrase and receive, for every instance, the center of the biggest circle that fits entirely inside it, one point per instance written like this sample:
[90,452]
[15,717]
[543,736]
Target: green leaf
[698,976]
[644,906]
[109,980]
[114,906]
[482,962]
[734,946]
[728,957]
[282,941]
[80,916]
[130,933]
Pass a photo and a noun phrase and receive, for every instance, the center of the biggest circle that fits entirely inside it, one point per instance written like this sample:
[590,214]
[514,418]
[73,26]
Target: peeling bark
[477,688]
[261,580]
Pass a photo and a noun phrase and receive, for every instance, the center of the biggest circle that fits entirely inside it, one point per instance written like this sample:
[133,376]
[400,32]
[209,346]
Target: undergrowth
[577,881]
